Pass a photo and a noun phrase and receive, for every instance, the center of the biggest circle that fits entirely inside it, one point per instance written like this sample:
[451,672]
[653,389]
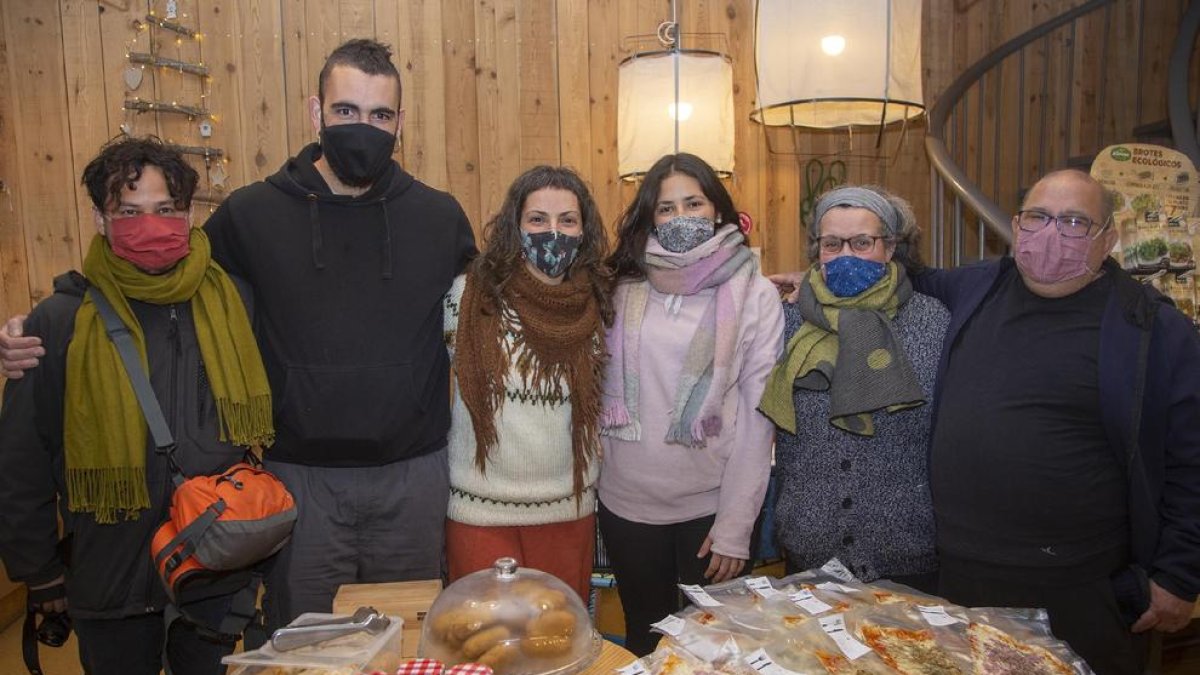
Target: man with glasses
[1065,462]
[73,438]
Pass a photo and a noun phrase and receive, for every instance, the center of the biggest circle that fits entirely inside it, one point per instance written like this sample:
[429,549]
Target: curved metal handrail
[1185,124]
[996,220]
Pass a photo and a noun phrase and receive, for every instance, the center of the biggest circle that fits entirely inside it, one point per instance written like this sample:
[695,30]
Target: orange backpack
[221,523]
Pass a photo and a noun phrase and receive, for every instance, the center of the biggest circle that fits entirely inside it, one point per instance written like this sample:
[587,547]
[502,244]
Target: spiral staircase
[979,174]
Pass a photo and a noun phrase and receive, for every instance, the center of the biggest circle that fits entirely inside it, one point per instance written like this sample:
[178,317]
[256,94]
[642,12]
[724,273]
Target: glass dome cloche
[518,621]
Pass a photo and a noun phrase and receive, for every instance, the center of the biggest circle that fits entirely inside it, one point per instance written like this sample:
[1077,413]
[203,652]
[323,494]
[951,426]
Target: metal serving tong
[365,619]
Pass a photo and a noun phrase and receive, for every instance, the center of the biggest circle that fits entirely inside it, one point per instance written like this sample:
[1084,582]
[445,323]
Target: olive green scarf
[846,346]
[104,428]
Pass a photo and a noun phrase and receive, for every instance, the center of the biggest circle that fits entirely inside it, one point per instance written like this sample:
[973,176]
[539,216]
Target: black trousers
[1083,611]
[648,561]
[135,646]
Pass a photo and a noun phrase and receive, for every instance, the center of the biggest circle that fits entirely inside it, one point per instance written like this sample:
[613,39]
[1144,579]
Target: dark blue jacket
[1163,461]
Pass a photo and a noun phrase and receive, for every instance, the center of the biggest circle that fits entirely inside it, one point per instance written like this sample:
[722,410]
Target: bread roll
[479,643]
[457,625]
[556,622]
[500,656]
[539,596]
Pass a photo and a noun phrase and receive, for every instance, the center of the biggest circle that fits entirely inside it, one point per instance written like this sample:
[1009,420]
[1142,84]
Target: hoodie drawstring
[314,222]
[387,241]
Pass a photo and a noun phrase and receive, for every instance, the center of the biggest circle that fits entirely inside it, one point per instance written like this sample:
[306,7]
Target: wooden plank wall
[491,87]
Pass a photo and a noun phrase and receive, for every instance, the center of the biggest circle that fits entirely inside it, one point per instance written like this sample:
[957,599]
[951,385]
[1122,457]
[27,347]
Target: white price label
[759,661]
[635,668]
[836,588]
[837,570]
[699,595]
[672,625]
[935,615]
[808,602]
[761,586]
[835,627]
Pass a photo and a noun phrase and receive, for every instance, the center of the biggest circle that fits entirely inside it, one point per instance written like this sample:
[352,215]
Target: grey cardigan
[864,500]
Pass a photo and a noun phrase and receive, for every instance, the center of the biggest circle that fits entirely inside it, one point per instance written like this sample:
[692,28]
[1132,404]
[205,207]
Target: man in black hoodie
[349,257]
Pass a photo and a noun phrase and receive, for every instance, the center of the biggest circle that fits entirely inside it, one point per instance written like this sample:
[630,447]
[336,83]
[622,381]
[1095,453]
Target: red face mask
[151,242]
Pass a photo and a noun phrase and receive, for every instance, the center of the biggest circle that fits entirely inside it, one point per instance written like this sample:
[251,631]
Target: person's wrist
[55,590]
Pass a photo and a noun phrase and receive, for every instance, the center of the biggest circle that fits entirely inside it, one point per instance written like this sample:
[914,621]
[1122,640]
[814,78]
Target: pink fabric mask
[151,242]
[1047,257]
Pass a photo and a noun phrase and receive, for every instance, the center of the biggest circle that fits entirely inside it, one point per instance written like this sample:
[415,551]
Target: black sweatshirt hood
[299,177]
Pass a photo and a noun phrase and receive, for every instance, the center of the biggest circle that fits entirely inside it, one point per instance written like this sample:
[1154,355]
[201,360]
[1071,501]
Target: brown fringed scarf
[557,337]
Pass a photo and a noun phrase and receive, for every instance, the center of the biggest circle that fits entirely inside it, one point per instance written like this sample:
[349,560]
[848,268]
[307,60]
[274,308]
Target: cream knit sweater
[528,477]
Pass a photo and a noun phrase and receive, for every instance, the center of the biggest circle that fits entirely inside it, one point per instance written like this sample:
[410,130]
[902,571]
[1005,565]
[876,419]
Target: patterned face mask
[551,252]
[684,233]
[847,276]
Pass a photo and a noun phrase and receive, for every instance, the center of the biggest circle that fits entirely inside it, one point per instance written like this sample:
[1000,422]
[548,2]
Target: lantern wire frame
[669,42]
[757,115]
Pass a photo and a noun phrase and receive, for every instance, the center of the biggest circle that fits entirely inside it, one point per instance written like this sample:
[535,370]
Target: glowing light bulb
[684,111]
[833,44]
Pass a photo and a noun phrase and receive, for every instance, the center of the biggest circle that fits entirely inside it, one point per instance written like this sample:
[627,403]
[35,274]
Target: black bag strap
[183,545]
[122,339]
[29,639]
[244,614]
[29,644]
[243,618]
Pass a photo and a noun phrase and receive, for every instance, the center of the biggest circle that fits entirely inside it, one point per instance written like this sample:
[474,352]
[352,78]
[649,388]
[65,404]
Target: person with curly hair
[525,325]
[74,440]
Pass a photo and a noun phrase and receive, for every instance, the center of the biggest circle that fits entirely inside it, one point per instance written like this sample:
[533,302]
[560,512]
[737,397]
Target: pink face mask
[149,241]
[1047,257]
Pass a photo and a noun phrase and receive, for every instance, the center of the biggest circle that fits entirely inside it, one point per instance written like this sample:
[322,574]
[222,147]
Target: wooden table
[612,656]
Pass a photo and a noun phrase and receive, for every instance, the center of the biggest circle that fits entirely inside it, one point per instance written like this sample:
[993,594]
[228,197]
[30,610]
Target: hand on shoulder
[17,352]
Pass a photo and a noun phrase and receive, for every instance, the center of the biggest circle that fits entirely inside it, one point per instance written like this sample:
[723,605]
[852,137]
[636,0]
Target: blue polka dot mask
[848,276]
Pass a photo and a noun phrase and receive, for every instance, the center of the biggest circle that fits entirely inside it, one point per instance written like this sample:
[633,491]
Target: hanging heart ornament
[133,77]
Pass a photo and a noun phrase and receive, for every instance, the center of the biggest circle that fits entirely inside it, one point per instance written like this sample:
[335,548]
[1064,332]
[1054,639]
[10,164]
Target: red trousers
[562,549]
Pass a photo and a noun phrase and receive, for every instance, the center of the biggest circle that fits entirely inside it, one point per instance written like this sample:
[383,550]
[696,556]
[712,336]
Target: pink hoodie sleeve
[744,481]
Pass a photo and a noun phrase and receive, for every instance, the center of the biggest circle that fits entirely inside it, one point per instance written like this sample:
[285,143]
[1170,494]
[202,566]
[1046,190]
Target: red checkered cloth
[470,669]
[420,667]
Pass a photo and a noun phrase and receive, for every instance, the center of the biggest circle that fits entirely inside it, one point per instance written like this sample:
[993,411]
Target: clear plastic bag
[827,644]
[708,642]
[1019,641]
[826,621]
[910,643]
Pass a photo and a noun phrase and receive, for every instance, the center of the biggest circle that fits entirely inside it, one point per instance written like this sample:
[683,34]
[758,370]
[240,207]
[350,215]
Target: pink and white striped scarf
[723,262]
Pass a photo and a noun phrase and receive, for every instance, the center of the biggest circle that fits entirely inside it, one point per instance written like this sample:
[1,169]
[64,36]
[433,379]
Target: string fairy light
[144,58]
[142,105]
[181,30]
[200,118]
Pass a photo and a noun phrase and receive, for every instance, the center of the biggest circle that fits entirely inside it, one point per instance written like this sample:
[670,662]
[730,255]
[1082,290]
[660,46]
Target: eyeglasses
[859,243]
[1072,227]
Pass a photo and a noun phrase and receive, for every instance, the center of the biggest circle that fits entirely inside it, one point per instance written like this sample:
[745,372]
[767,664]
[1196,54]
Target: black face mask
[357,153]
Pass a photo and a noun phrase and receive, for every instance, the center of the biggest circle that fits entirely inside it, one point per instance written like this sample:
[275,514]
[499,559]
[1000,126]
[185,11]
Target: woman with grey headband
[848,396]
